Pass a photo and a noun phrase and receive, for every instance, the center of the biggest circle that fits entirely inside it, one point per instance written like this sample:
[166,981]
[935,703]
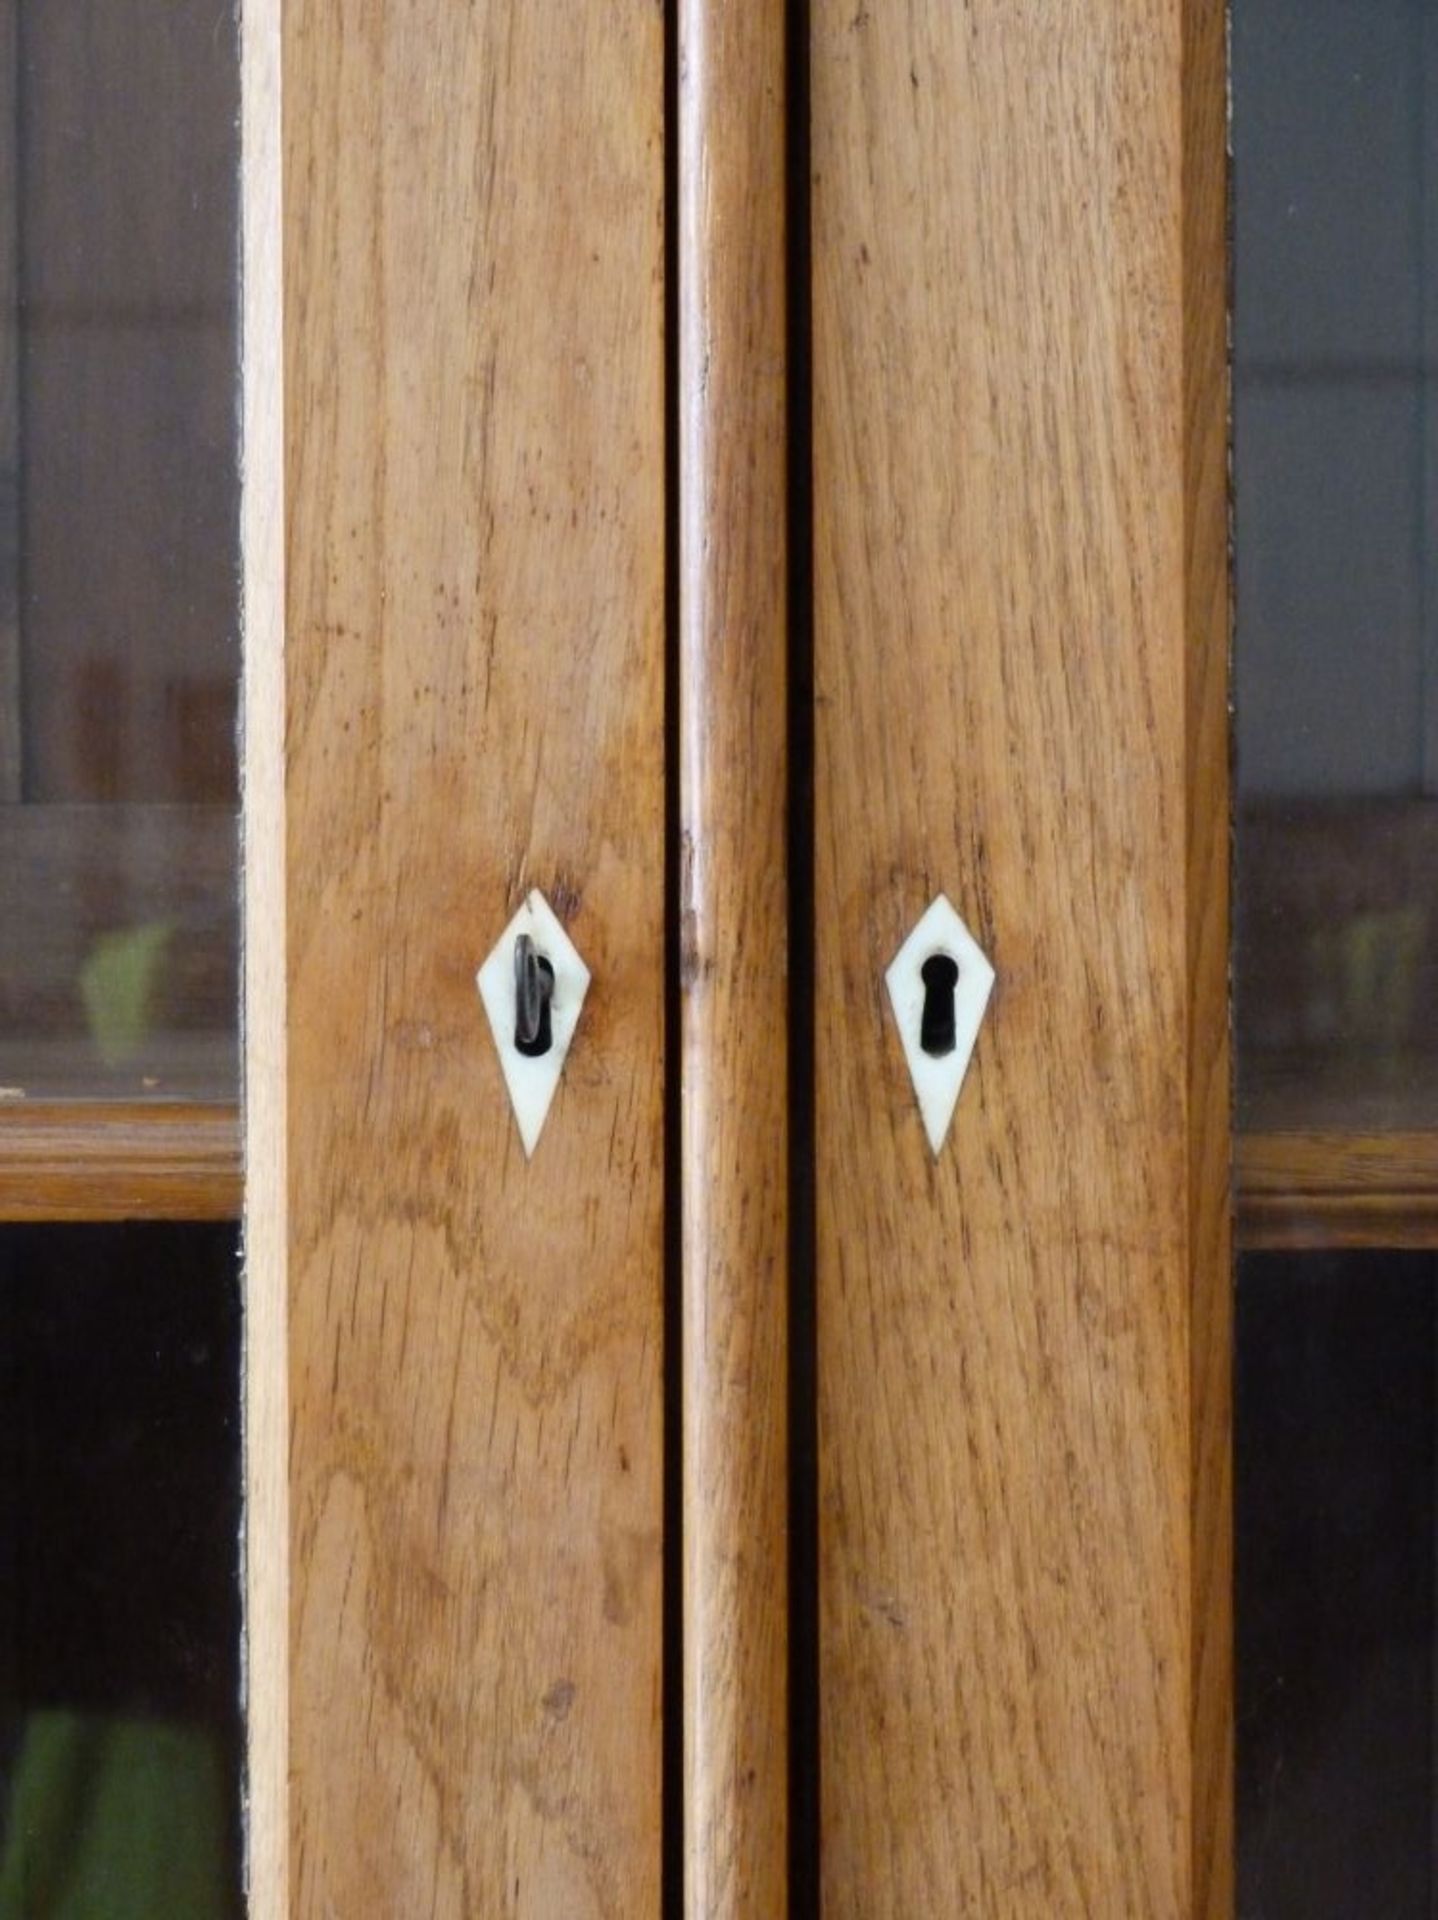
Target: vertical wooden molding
[11,733]
[1210,1092]
[263,1014]
[733,728]
[1020,690]
[474,395]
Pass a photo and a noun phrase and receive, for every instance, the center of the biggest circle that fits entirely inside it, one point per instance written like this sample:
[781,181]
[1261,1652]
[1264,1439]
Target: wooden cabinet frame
[266,1230]
[1020,577]
[1020,673]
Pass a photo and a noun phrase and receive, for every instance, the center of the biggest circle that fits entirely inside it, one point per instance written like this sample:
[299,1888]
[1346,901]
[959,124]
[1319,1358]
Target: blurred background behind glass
[1335,142]
[121,1731]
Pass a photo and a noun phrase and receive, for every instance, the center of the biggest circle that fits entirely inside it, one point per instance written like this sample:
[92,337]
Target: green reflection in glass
[115,1819]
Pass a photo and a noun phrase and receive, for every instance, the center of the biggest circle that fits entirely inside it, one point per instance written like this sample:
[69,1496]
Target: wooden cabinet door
[1019,670]
[1019,656]
[472,282]
[713,480]
[744,476]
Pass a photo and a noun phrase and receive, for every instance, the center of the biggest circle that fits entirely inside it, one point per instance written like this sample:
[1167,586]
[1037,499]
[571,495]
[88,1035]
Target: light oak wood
[1020,623]
[1299,1190]
[475,474]
[264,1089]
[733,770]
[180,1160]
[118,1160]
[183,1160]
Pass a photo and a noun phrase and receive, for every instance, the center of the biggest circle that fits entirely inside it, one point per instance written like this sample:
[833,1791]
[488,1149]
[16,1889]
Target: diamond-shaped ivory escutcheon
[939,1010]
[532,1080]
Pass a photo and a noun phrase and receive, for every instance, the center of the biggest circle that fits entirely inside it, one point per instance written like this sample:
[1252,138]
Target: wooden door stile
[474,393]
[1020,658]
[734,981]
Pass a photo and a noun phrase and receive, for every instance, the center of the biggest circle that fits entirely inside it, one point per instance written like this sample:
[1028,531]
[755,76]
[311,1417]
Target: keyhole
[533,991]
[937,1034]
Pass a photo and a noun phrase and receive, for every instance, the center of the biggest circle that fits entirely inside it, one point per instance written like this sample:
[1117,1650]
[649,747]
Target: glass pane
[119,502]
[1335,140]
[1334,1532]
[120,1734]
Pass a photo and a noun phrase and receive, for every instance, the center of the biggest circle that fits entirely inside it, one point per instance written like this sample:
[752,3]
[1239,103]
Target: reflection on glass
[1336,447]
[1335,137]
[120,1733]
[1335,1519]
[119,638]
[120,1723]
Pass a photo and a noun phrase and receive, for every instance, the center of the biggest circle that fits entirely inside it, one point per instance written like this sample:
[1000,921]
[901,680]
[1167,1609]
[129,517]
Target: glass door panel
[121,1702]
[1335,144]
[119,529]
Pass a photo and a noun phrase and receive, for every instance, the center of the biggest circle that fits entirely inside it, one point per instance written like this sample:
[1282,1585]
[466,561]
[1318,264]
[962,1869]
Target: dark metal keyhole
[937,1029]
[533,991]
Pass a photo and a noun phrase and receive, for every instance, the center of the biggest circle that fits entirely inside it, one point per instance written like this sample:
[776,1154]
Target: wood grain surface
[733,771]
[177,1160]
[1299,1190]
[265,879]
[1019,660]
[118,1160]
[475,457]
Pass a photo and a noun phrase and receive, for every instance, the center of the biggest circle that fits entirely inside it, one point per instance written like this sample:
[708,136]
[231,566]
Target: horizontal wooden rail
[1325,1189]
[183,1160]
[111,1160]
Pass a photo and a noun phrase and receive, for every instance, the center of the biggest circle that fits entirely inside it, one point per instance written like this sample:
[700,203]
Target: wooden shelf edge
[1314,1190]
[110,1160]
